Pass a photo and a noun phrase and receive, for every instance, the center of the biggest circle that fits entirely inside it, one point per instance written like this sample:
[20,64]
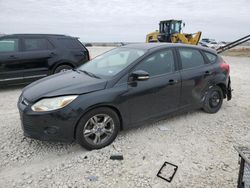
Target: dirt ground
[200,144]
[238,52]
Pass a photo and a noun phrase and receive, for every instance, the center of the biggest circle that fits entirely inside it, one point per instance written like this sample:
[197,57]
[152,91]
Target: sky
[124,20]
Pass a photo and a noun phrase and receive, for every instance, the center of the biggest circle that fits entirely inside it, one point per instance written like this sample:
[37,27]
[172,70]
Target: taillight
[225,66]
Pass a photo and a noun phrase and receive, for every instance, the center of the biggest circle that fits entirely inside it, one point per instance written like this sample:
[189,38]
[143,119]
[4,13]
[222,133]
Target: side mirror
[139,75]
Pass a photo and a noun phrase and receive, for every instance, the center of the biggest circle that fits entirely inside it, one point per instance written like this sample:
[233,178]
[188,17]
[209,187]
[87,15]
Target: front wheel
[213,100]
[98,128]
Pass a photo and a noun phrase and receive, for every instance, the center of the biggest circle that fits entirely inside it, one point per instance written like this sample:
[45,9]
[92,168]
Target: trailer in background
[244,172]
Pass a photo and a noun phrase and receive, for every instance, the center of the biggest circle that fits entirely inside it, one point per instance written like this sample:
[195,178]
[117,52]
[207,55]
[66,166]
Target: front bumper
[56,125]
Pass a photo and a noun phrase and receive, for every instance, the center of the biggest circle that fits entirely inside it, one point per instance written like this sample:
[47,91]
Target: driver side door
[158,95]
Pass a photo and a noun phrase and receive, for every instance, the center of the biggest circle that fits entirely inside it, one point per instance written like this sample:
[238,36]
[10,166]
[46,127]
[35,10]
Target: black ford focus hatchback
[122,88]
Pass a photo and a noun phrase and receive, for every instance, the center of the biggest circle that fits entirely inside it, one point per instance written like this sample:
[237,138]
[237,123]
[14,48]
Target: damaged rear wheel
[213,100]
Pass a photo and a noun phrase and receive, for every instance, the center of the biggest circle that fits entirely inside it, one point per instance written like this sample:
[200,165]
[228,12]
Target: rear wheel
[62,68]
[213,100]
[98,128]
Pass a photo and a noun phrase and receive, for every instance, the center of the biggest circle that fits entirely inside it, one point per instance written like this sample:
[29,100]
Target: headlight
[54,103]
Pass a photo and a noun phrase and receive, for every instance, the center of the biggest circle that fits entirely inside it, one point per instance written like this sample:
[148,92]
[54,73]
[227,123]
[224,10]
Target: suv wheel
[213,100]
[62,68]
[98,128]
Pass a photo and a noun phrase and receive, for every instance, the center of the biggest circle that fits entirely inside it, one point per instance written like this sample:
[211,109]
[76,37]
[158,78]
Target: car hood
[67,83]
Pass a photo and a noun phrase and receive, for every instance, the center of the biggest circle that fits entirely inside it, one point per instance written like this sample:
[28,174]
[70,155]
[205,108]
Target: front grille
[29,126]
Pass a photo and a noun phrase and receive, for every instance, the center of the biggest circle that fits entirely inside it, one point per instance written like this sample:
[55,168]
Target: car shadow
[62,148]
[38,147]
[12,87]
[68,147]
[160,120]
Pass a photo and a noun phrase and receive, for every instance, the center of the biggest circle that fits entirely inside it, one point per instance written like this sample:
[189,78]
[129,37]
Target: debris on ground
[92,178]
[167,171]
[116,157]
[163,128]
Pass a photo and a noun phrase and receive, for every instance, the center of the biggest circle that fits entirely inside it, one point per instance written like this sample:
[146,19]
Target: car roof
[149,46]
[35,35]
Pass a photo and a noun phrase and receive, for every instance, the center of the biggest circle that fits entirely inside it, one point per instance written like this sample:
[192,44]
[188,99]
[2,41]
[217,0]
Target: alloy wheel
[98,129]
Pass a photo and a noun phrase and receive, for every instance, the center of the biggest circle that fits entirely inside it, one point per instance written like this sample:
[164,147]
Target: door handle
[52,54]
[12,57]
[207,73]
[172,82]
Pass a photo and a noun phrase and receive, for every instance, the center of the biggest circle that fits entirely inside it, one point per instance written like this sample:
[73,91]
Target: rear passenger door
[10,68]
[37,52]
[196,74]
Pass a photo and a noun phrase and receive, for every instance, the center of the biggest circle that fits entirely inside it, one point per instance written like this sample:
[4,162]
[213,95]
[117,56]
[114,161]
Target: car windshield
[112,62]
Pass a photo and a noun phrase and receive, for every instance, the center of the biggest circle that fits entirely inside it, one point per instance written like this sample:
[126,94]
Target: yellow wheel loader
[170,31]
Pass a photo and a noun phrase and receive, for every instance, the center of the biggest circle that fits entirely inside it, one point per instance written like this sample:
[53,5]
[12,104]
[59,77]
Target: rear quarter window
[71,43]
[211,57]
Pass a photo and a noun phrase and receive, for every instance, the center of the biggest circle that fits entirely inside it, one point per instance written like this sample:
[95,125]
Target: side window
[9,45]
[32,44]
[190,58]
[211,57]
[71,43]
[159,63]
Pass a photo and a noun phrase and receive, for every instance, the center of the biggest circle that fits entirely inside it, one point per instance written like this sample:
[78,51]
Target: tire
[62,68]
[92,124]
[213,100]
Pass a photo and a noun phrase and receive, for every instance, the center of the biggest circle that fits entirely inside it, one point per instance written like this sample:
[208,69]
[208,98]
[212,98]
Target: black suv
[28,57]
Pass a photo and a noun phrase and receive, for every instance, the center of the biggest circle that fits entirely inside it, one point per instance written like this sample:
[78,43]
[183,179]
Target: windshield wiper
[89,73]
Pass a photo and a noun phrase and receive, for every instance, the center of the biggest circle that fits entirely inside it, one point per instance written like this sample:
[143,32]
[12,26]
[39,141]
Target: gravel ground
[200,144]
